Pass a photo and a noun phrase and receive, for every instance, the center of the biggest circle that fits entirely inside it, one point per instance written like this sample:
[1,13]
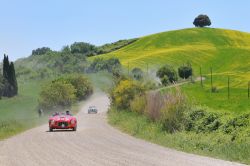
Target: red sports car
[62,121]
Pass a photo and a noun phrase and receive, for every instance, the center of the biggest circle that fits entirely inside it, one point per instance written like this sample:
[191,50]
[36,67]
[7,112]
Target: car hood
[62,118]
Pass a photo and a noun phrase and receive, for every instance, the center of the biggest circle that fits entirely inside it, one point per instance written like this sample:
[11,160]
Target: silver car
[92,109]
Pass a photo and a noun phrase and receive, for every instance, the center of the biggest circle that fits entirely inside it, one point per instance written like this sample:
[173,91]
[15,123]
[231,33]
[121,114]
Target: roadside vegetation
[64,91]
[173,118]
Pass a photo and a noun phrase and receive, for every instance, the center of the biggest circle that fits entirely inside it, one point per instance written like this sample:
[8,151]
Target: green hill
[227,51]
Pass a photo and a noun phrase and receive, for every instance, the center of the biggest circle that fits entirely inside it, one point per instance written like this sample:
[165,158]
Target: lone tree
[202,21]
[185,71]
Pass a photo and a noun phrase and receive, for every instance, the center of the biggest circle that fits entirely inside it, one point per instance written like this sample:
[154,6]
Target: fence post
[201,78]
[211,69]
[128,68]
[248,89]
[228,88]
[147,68]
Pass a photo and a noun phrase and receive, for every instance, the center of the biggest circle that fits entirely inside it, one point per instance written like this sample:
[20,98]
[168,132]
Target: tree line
[8,81]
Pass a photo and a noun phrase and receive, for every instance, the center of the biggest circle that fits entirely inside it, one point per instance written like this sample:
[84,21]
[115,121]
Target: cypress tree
[6,64]
[10,83]
[13,80]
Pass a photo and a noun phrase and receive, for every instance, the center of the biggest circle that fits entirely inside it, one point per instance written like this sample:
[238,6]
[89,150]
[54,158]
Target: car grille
[65,124]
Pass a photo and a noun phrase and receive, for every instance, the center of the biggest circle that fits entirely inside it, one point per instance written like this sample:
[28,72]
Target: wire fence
[226,79]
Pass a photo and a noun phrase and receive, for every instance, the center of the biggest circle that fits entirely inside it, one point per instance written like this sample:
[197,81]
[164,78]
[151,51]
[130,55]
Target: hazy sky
[29,24]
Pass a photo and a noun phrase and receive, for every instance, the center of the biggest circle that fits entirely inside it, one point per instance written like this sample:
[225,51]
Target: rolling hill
[226,51]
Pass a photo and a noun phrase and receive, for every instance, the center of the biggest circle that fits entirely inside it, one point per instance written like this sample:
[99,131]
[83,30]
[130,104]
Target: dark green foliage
[185,71]
[169,72]
[64,91]
[236,123]
[100,64]
[83,48]
[165,80]
[71,59]
[137,73]
[10,87]
[214,89]
[51,64]
[201,21]
[41,51]
[202,121]
[81,84]
[106,48]
[68,62]
[12,79]
[1,85]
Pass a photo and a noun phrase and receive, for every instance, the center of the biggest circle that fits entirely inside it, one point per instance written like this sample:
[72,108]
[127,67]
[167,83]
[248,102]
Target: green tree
[1,85]
[137,73]
[12,79]
[201,21]
[80,83]
[10,88]
[83,48]
[57,94]
[167,71]
[185,71]
[41,51]
[100,64]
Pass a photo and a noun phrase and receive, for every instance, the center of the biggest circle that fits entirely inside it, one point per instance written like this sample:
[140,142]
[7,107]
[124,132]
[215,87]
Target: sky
[29,24]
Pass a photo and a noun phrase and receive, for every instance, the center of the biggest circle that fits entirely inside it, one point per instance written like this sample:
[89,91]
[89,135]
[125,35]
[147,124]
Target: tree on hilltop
[202,21]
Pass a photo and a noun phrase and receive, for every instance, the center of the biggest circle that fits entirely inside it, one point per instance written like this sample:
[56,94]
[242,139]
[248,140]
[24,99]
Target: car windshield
[60,113]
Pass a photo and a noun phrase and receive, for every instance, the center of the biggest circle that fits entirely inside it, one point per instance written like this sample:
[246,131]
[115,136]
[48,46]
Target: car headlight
[72,121]
[52,122]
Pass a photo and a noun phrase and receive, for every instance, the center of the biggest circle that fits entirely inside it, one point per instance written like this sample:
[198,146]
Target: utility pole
[201,78]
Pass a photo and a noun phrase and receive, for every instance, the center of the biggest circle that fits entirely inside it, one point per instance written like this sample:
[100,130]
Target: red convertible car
[62,121]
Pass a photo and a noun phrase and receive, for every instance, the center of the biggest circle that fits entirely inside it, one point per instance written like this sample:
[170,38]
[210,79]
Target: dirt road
[95,143]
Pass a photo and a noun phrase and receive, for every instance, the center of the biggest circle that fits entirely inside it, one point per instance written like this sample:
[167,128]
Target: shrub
[138,104]
[202,121]
[81,84]
[41,51]
[137,73]
[83,48]
[154,105]
[172,113]
[215,89]
[57,94]
[64,91]
[125,92]
[165,80]
[167,71]
[242,121]
[100,64]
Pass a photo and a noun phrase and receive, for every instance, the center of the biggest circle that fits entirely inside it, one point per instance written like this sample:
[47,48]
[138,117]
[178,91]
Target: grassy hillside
[227,51]
[19,113]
